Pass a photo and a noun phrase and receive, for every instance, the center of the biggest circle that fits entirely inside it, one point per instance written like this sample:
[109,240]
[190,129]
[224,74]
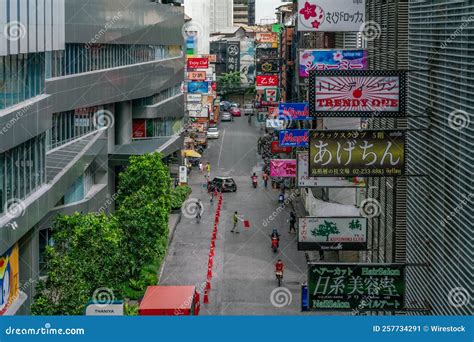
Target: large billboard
[233,56]
[356,153]
[332,233]
[305,181]
[357,93]
[9,278]
[331,15]
[294,138]
[362,287]
[331,60]
[247,61]
[283,168]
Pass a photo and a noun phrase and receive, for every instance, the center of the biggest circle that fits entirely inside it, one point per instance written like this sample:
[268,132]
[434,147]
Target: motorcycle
[254,181]
[275,244]
[279,276]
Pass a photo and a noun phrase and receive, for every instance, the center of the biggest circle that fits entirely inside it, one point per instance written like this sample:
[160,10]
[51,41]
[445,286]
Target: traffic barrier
[206,296]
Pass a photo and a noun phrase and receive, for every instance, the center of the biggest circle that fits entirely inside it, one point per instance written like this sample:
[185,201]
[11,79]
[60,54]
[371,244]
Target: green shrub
[179,195]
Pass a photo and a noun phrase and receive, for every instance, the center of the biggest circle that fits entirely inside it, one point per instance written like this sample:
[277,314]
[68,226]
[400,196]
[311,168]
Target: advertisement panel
[268,66]
[283,168]
[194,97]
[233,56]
[362,287]
[9,278]
[357,93]
[357,153]
[210,58]
[194,106]
[331,60]
[331,15]
[198,63]
[332,233]
[294,138]
[271,94]
[247,61]
[267,80]
[266,37]
[198,87]
[305,181]
[267,53]
[202,113]
[275,124]
[293,111]
[196,75]
[276,148]
[139,128]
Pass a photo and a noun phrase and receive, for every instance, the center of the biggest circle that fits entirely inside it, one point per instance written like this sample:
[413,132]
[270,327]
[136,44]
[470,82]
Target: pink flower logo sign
[312,14]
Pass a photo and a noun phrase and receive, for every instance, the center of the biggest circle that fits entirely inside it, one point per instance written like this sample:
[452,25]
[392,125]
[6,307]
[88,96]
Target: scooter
[275,244]
[279,276]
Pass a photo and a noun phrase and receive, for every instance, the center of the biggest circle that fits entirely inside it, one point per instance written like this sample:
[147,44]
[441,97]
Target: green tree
[325,229]
[87,255]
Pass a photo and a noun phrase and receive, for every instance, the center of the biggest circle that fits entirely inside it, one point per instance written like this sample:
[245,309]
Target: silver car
[226,116]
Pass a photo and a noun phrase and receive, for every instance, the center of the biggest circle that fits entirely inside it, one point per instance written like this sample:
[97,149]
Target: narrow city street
[243,273]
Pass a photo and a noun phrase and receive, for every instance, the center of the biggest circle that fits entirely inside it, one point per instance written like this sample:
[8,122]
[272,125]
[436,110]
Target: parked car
[235,111]
[225,105]
[226,116]
[234,105]
[224,184]
[248,109]
[213,133]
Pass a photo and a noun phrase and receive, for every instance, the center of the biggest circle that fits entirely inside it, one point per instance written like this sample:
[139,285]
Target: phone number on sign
[396,328]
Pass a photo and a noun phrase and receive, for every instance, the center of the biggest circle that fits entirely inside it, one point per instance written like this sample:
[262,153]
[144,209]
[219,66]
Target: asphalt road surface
[243,280]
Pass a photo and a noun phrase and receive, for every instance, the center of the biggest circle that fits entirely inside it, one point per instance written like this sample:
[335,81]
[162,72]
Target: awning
[191,153]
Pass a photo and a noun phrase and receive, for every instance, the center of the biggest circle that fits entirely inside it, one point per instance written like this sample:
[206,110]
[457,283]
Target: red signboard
[139,129]
[198,63]
[276,148]
[214,86]
[267,80]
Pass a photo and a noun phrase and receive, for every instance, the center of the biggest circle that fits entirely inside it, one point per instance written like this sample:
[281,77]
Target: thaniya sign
[331,15]
[362,287]
[355,153]
[357,93]
[332,233]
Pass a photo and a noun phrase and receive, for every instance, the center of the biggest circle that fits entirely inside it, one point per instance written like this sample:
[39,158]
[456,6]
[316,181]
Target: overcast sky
[265,9]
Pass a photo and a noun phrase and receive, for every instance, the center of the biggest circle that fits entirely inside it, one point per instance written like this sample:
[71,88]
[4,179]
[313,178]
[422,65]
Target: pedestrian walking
[208,169]
[292,222]
[200,166]
[281,198]
[265,179]
[199,210]
[235,220]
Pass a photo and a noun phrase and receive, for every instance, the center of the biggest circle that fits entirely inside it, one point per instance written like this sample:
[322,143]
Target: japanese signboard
[233,56]
[198,63]
[331,15]
[293,111]
[363,287]
[356,153]
[284,168]
[294,138]
[267,53]
[198,87]
[267,80]
[271,66]
[305,181]
[332,233]
[266,37]
[197,75]
[331,60]
[276,148]
[210,58]
[194,97]
[357,93]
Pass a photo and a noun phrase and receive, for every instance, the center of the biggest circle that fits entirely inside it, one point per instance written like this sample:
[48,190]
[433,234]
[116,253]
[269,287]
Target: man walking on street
[235,220]
[265,179]
[292,222]
[208,169]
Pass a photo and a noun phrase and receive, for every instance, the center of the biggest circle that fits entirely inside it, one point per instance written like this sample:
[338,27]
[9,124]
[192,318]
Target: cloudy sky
[265,9]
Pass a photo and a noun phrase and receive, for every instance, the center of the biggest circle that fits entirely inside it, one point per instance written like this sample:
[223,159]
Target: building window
[155,128]
[22,171]
[71,125]
[159,97]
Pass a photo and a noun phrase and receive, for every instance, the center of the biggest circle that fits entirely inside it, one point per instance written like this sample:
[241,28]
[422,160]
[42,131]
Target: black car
[224,184]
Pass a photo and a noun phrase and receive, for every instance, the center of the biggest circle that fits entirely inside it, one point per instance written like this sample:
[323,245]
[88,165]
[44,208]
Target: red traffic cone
[209,272]
[206,296]
[208,285]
